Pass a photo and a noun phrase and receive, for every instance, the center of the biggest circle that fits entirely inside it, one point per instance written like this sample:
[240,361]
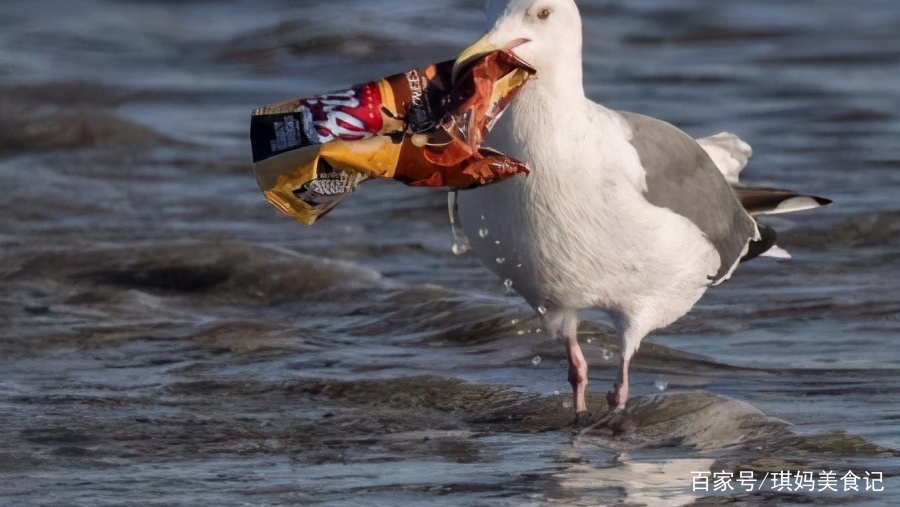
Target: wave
[68,115]
[873,229]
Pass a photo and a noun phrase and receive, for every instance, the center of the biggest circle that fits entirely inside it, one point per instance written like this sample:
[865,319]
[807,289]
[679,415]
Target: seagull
[621,212]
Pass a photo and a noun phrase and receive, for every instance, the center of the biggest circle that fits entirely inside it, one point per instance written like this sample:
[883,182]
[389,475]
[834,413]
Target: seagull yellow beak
[482,47]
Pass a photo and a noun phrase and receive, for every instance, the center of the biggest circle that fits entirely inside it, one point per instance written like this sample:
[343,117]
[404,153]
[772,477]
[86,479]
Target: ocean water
[168,339]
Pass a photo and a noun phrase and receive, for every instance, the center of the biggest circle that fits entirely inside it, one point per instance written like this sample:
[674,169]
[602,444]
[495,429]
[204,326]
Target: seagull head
[546,34]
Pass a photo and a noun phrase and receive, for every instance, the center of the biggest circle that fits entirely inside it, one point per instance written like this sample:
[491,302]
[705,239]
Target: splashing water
[483,233]
[460,241]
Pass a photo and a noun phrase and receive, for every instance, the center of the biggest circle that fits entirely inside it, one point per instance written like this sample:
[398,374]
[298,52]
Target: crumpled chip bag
[420,127]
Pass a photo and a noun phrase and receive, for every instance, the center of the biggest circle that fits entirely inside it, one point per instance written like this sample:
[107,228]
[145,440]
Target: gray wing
[682,178]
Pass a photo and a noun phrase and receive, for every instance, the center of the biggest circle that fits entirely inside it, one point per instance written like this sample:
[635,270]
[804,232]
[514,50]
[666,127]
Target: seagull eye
[544,14]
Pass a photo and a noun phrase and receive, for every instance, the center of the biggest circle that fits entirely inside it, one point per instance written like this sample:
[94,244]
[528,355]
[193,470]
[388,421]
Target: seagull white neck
[560,72]
[543,103]
[565,81]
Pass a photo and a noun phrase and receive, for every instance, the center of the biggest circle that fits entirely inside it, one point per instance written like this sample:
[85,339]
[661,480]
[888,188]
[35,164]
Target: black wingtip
[767,237]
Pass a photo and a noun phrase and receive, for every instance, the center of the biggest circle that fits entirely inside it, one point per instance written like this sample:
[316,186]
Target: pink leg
[577,373]
[617,398]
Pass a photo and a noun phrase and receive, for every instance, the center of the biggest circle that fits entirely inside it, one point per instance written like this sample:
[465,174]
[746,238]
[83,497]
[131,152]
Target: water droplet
[460,247]
[607,355]
[483,232]
[536,360]
[514,321]
[518,265]
[520,332]
[542,310]
[482,217]
[508,285]
[555,393]
[661,384]
[538,330]
[497,242]
[460,242]
[589,340]
[500,260]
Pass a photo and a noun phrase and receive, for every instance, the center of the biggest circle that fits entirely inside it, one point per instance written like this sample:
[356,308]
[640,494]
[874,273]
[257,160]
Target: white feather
[776,252]
[729,152]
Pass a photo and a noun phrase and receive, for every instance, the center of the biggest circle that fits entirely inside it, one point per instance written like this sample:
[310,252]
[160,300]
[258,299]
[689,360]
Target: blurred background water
[169,339]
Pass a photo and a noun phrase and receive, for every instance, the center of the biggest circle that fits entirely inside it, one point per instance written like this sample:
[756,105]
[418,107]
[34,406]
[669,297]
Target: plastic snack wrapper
[420,127]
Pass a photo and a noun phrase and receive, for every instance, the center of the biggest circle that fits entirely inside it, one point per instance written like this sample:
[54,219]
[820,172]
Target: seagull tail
[772,201]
